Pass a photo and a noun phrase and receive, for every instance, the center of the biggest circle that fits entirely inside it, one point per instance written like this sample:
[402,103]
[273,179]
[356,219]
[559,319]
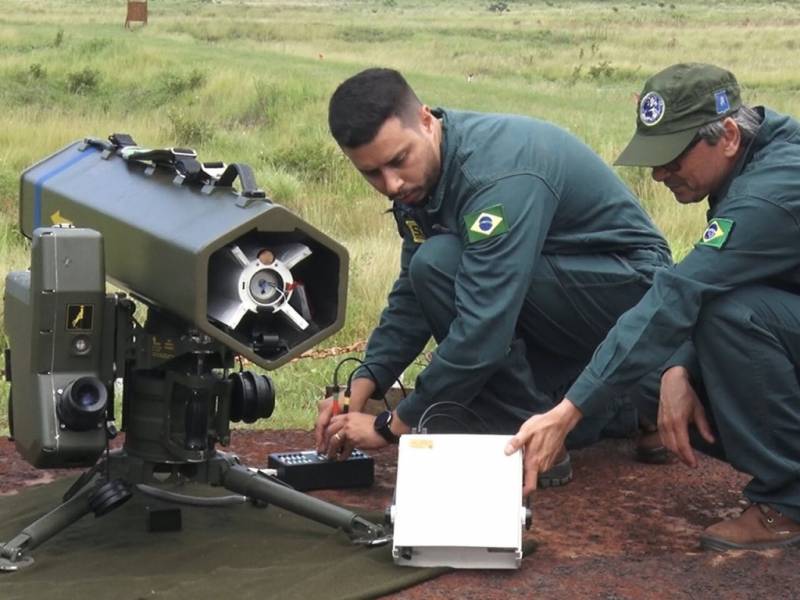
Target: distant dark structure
[137,12]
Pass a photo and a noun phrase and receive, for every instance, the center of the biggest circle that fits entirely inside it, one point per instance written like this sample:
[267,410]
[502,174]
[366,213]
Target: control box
[308,470]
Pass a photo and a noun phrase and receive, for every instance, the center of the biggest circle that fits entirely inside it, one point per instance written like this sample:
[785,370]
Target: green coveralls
[730,312]
[516,312]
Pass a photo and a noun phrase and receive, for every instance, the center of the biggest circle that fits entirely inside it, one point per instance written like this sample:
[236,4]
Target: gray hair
[745,117]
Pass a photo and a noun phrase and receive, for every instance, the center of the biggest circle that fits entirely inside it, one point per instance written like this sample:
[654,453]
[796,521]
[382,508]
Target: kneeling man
[723,325]
[520,250]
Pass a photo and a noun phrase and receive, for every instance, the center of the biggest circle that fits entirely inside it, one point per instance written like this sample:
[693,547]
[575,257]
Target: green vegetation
[249,81]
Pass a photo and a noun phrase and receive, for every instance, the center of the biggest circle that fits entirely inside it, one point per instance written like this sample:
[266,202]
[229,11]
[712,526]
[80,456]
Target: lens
[82,404]
[253,397]
[85,396]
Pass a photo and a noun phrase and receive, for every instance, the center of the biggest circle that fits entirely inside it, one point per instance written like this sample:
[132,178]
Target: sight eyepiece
[82,404]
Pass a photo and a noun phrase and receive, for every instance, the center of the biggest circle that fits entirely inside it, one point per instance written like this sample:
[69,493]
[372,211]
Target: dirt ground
[620,530]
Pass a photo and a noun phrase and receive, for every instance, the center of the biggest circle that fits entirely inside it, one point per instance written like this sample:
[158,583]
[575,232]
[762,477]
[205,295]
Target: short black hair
[362,103]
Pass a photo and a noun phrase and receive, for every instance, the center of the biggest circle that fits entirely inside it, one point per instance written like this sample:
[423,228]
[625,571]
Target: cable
[375,379]
[280,291]
[108,453]
[443,415]
[341,362]
[424,417]
[190,500]
[366,366]
[385,368]
[336,388]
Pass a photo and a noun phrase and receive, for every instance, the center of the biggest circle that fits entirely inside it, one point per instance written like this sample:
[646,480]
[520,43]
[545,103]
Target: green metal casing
[159,236]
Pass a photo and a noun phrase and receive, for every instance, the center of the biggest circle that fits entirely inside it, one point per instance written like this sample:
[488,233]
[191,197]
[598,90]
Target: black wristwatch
[383,426]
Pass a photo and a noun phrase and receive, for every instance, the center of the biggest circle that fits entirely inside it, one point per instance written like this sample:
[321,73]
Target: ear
[732,138]
[426,118]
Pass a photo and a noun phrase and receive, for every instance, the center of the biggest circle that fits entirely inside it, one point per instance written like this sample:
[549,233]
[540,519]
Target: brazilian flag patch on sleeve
[485,223]
[716,234]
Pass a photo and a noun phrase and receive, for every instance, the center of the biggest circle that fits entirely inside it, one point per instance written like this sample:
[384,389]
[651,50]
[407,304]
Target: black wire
[443,415]
[108,438]
[422,418]
[385,368]
[108,453]
[365,365]
[375,379]
[341,362]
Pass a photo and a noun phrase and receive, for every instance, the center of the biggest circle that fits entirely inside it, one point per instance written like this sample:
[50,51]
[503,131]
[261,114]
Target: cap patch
[651,108]
[486,223]
[716,234]
[722,102]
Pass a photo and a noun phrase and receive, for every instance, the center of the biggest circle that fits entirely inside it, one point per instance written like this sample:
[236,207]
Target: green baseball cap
[675,103]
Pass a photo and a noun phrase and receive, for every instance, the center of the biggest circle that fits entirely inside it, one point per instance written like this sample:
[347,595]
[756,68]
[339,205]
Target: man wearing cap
[520,248]
[723,325]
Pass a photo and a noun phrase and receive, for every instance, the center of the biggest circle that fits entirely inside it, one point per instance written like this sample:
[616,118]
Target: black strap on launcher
[187,167]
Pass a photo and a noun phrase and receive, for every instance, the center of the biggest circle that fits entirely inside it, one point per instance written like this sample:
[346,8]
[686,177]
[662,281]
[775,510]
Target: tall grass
[250,82]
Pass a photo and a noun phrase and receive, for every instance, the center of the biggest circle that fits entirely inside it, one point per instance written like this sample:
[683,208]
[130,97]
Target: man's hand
[678,406]
[360,391]
[348,431]
[324,416]
[543,438]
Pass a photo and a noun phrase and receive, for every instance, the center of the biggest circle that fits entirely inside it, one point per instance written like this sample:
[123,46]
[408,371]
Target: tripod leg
[243,481]
[13,553]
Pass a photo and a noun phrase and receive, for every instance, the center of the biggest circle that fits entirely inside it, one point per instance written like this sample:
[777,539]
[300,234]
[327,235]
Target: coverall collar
[760,138]
[447,152]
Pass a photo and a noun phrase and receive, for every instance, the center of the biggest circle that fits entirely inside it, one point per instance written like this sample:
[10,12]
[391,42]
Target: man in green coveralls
[521,248]
[723,326]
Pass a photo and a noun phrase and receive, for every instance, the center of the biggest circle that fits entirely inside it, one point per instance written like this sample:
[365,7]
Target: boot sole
[549,482]
[556,476]
[653,456]
[720,545]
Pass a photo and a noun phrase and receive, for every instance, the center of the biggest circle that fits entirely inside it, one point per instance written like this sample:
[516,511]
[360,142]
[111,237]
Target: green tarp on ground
[239,552]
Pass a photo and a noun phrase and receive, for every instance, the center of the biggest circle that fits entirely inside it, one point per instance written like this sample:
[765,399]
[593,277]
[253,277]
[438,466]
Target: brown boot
[559,474]
[756,528]
[650,450]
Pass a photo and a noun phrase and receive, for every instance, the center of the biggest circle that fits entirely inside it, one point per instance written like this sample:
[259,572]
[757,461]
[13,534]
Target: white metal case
[458,502]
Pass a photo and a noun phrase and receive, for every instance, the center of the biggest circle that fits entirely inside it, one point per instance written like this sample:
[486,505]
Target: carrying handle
[247,179]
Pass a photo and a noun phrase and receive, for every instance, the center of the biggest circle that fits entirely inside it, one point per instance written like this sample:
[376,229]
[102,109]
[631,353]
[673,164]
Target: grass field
[249,82]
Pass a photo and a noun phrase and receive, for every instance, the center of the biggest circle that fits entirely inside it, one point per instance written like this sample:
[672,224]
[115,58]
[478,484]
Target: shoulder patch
[717,233]
[486,223]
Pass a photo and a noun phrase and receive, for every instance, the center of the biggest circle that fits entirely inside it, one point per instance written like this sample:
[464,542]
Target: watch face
[382,422]
[383,419]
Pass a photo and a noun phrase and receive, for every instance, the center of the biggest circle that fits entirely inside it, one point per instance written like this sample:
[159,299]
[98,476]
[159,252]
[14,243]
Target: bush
[264,108]
[498,7]
[95,45]
[602,70]
[176,83]
[37,71]
[81,82]
[309,160]
[189,130]
[372,35]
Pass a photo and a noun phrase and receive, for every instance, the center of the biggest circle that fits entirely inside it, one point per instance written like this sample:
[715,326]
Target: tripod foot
[7,564]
